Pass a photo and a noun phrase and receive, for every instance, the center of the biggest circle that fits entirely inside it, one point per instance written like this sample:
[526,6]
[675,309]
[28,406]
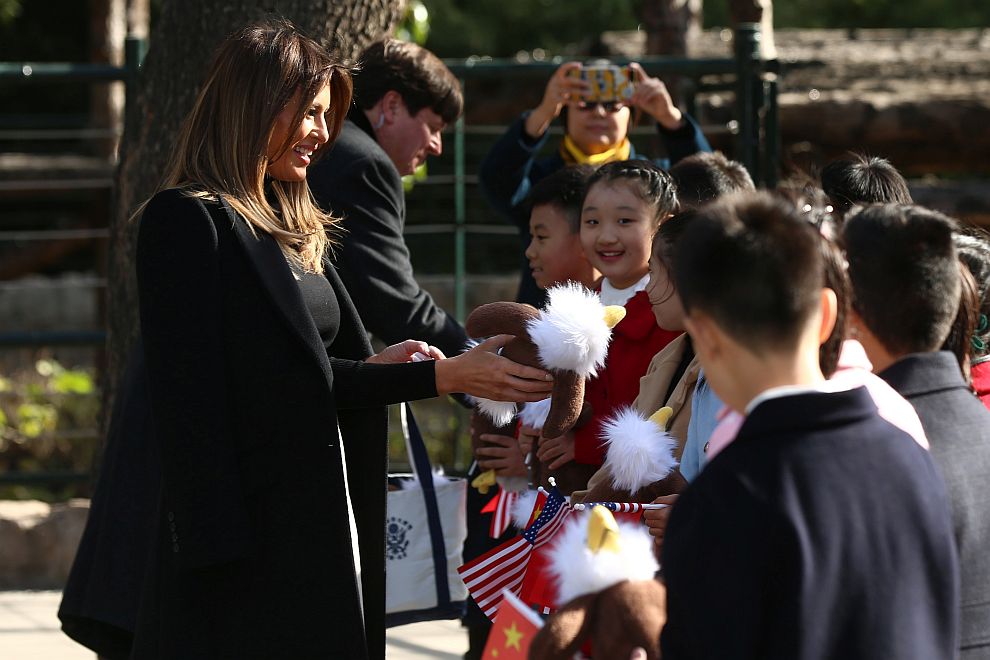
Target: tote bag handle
[420,460]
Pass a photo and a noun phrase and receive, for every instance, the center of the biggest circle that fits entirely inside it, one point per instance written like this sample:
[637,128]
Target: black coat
[821,532]
[101,598]
[252,557]
[357,180]
[958,428]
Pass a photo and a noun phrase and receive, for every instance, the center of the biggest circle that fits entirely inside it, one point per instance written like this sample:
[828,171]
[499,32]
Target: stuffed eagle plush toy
[569,337]
[604,572]
[639,465]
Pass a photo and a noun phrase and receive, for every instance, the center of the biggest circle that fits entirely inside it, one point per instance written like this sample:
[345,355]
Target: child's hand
[556,452]
[506,458]
[528,437]
[651,96]
[656,520]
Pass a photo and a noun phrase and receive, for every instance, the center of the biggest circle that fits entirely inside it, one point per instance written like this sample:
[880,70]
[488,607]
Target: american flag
[504,567]
[500,507]
[617,507]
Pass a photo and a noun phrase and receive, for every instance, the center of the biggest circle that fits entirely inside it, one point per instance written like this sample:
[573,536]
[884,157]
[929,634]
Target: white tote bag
[425,531]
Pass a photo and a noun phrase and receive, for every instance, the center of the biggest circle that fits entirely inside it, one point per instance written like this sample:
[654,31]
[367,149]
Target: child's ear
[830,311]
[705,336]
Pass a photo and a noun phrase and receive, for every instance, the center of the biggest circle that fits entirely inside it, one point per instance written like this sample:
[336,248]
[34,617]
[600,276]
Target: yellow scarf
[573,155]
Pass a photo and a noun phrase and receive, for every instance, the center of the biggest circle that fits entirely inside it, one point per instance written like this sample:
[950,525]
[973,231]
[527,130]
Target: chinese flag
[513,631]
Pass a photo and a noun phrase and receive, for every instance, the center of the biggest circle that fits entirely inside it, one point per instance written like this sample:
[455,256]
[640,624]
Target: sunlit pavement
[29,630]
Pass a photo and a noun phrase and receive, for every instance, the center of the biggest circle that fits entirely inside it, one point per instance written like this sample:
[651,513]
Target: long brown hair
[222,147]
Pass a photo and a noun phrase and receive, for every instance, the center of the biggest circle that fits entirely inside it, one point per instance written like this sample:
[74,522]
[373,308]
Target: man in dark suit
[822,531]
[404,97]
[906,287]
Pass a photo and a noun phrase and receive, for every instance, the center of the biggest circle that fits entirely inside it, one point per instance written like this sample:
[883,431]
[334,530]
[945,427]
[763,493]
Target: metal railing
[757,147]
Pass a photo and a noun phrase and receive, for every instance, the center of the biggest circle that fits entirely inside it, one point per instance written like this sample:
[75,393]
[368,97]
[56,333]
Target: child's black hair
[563,190]
[904,273]
[705,176]
[651,184]
[973,248]
[861,179]
[754,265]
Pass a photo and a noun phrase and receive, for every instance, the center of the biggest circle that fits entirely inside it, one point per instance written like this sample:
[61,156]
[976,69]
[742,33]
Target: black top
[822,531]
[320,302]
[958,429]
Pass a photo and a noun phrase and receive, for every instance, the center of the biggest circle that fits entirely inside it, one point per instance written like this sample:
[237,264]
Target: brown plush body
[512,318]
[617,620]
[602,490]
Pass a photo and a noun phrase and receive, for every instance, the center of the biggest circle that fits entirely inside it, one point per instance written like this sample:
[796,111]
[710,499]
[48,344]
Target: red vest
[635,340]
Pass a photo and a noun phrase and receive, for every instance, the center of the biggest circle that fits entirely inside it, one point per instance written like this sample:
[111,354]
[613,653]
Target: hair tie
[976,341]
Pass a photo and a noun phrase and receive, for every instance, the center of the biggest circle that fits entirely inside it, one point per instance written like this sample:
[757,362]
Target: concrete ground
[29,630]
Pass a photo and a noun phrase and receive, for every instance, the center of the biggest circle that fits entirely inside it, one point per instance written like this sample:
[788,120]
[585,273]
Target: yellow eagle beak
[614,314]
[603,532]
[484,481]
[662,416]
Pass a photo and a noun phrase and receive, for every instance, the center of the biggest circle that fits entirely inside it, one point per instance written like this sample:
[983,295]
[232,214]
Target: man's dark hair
[705,176]
[754,265]
[653,185]
[415,73]
[904,273]
[860,179]
[563,190]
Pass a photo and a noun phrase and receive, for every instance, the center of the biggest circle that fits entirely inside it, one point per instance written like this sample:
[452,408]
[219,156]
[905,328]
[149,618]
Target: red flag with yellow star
[513,631]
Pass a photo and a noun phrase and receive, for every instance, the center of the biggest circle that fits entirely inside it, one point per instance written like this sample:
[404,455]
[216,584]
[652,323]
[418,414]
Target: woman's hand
[556,452]
[406,351]
[480,372]
[505,457]
[656,519]
[651,96]
[560,89]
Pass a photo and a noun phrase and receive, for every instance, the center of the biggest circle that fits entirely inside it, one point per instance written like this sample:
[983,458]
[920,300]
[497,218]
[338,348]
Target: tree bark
[181,45]
[107,26]
[756,11]
[671,26]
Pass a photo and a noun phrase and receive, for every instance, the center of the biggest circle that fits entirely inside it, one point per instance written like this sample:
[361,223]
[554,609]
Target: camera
[608,82]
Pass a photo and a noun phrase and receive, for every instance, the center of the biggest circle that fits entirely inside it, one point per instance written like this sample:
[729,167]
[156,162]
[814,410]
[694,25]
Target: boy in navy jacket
[823,531]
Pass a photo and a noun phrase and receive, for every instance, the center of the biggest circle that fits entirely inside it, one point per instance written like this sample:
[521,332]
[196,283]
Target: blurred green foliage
[48,422]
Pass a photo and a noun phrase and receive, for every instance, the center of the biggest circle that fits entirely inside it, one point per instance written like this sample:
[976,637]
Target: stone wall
[38,542]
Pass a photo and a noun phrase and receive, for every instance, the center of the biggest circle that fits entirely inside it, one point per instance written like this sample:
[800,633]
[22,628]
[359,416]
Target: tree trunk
[671,26]
[756,11]
[181,45]
[107,26]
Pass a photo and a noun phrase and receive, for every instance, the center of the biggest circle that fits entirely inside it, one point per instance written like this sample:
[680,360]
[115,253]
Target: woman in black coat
[267,404]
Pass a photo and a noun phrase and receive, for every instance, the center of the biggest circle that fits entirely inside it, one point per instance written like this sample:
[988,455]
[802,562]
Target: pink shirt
[854,370]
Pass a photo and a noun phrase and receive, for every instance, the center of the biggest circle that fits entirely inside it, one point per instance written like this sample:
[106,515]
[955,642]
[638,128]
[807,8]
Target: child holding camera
[596,132]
